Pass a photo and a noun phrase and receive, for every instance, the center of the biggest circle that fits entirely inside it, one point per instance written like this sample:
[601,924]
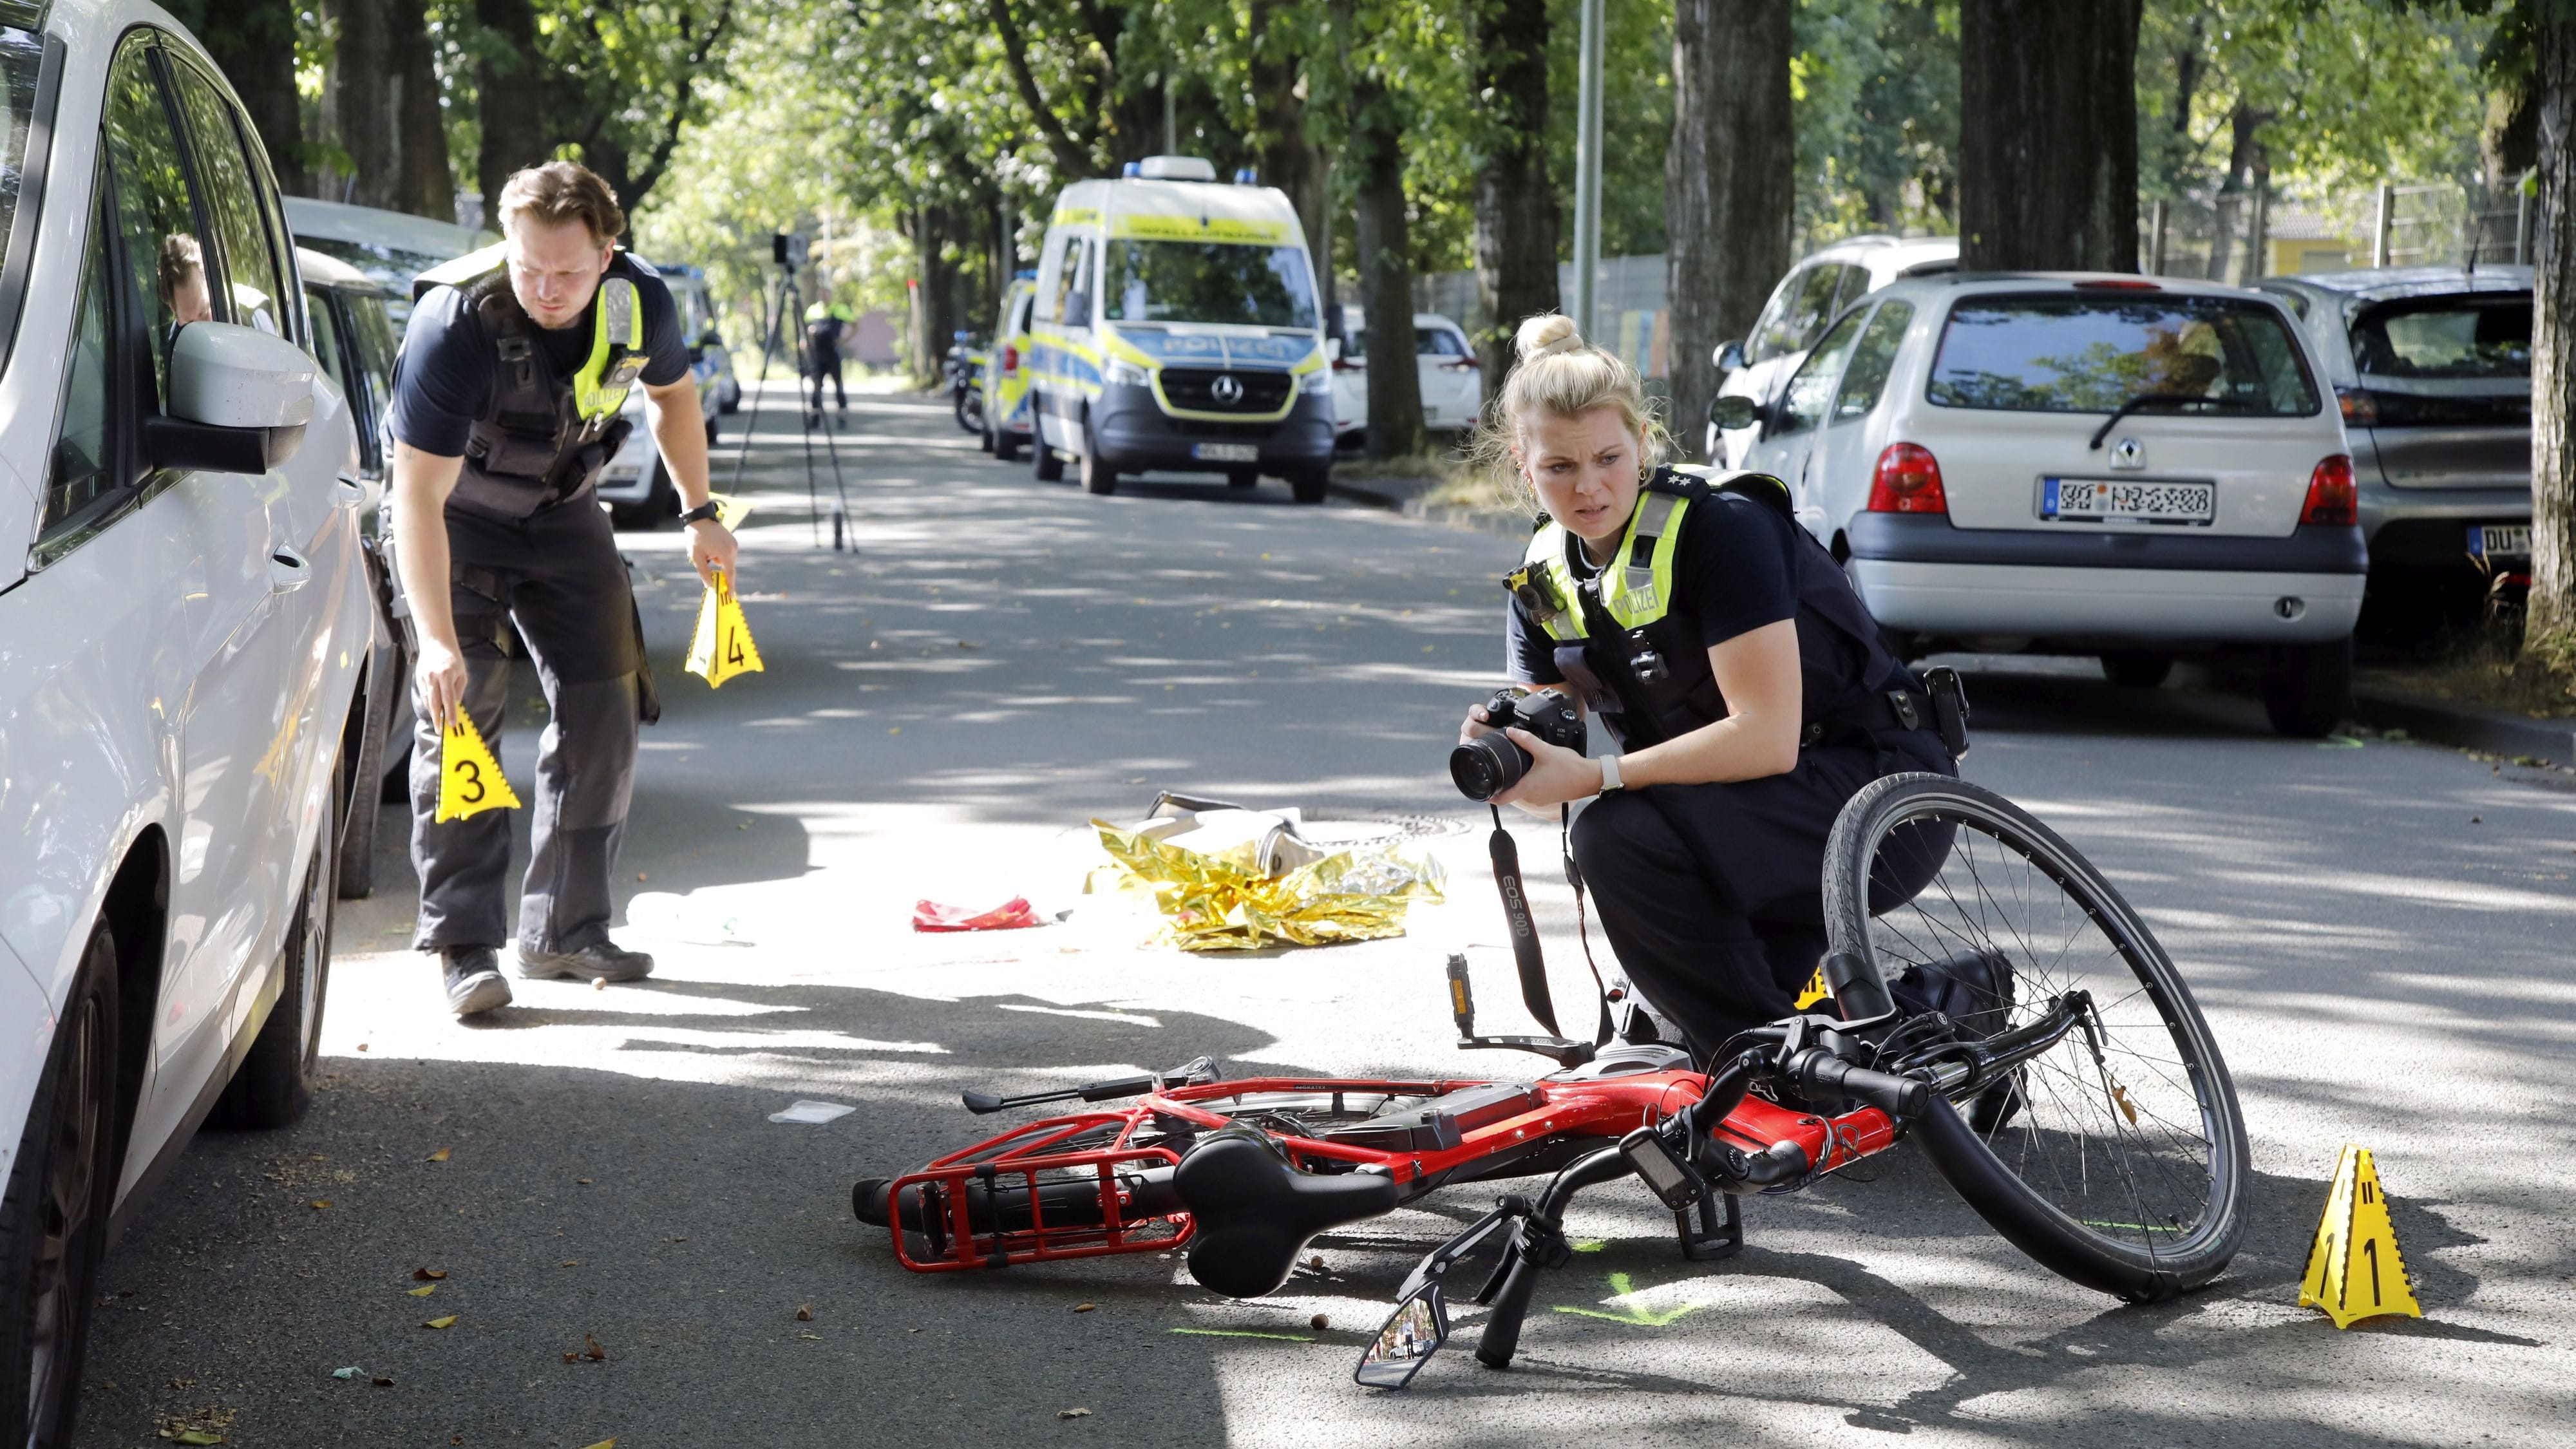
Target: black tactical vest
[533,447]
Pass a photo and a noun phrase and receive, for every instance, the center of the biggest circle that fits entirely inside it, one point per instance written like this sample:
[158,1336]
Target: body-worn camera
[1490,764]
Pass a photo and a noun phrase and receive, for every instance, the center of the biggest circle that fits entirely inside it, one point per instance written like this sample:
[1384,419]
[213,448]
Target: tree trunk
[1516,220]
[1385,246]
[1289,159]
[1727,179]
[2048,135]
[2549,630]
[510,81]
[383,103]
[254,45]
[934,291]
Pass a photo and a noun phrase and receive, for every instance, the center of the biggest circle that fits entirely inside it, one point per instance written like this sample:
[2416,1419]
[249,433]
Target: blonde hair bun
[1546,335]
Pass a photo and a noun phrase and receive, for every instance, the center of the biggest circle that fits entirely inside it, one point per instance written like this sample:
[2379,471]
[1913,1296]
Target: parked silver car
[2433,369]
[1821,287]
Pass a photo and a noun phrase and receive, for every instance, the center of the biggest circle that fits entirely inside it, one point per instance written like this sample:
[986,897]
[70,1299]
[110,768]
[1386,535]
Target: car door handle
[350,490]
[288,570]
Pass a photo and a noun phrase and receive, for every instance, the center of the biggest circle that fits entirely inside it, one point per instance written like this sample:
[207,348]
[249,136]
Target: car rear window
[2079,354]
[2446,337]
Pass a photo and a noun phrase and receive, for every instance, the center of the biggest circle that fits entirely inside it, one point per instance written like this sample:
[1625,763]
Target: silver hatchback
[2433,369]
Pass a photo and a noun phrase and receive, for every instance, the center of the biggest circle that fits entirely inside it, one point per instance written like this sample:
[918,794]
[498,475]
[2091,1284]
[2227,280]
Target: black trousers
[825,361]
[558,578]
[1712,895]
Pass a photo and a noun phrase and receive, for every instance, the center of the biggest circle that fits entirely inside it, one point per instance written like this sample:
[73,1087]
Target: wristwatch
[1610,774]
[708,509]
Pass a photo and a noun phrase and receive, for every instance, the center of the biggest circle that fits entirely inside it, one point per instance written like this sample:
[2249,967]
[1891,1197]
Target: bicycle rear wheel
[2117,1157]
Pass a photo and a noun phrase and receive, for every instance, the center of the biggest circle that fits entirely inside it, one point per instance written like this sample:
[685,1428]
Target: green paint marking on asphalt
[2339,742]
[1633,1317]
[1242,1333]
[1589,1245]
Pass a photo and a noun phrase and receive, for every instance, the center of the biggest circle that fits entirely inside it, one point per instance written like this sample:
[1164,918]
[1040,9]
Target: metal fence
[2241,235]
[1627,299]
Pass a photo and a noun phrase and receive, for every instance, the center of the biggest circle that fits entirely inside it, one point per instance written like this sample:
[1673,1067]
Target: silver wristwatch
[1610,774]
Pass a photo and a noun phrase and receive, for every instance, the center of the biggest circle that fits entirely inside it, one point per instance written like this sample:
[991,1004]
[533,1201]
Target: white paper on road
[815,1113]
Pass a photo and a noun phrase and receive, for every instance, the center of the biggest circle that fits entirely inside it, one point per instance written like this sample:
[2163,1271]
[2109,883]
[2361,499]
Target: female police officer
[1739,676]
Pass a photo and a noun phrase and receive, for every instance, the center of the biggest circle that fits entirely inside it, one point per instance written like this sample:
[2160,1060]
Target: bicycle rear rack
[1018,1199]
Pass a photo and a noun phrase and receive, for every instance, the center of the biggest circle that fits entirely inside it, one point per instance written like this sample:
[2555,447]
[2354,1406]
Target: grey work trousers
[558,578]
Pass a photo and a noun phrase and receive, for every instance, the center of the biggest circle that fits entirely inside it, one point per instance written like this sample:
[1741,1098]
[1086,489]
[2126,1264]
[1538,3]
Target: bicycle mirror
[1414,1332]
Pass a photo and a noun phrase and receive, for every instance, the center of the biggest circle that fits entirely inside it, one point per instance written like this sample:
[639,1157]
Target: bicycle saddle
[1255,1210]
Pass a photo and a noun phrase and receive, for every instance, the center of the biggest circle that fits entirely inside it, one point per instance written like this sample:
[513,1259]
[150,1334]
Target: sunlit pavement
[2379,934]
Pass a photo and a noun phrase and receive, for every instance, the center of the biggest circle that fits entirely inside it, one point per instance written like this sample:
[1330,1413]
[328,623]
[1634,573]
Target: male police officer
[506,405]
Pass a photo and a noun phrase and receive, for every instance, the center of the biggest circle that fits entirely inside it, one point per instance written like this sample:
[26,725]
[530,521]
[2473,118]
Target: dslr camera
[1490,764]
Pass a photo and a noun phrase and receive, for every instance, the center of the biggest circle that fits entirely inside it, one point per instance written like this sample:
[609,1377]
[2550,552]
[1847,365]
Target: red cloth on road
[1011,915]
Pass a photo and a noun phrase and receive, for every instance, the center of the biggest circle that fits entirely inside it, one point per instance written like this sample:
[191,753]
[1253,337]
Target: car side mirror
[1729,412]
[239,400]
[1729,356]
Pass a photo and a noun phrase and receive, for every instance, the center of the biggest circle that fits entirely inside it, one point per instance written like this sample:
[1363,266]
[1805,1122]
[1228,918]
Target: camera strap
[1526,952]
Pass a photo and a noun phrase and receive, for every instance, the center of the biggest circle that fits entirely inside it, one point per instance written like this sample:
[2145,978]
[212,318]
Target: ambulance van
[1176,329]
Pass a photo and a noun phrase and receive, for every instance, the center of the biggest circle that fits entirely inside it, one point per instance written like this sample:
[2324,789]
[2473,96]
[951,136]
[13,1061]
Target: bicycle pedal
[1707,1240]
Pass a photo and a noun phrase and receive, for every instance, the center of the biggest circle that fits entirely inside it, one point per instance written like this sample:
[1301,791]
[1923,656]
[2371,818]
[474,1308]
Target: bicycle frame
[1499,1136]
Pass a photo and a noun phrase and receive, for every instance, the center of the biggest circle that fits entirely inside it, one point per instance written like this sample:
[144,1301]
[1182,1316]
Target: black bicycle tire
[2023,1217]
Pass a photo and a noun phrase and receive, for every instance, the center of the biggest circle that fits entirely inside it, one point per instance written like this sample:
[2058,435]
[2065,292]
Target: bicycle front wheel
[2116,1157]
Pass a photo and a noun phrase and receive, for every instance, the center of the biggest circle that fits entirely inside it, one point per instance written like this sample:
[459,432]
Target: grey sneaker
[599,961]
[474,983]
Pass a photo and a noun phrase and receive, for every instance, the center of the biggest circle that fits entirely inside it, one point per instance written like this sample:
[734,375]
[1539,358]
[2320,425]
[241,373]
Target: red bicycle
[1993,998]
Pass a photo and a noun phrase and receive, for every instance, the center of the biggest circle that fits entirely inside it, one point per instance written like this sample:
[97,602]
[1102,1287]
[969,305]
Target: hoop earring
[1645,474]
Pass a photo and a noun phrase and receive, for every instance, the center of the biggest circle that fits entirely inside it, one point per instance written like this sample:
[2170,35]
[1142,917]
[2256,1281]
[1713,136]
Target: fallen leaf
[1073,1413]
[1320,1322]
[599,983]
[197,1436]
[380,1381]
[804,1312]
[569,1263]
[423,1291]
[1084,1307]
[639,875]
[1317,1263]
[583,1181]
[818,1338]
[428,1275]
[447,1322]
[362,1046]
[320,1203]
[441,1154]
[592,1351]
[602,1444]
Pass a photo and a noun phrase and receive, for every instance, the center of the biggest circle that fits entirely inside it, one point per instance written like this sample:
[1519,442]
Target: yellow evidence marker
[723,646]
[469,779]
[2354,1271]
[1815,991]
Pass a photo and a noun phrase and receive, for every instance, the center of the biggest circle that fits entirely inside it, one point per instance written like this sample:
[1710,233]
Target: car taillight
[1908,480]
[2332,499]
[2360,408]
[1010,359]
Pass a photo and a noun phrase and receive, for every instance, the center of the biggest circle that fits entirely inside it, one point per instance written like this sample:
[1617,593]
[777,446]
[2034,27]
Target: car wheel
[54,1210]
[2308,687]
[1307,484]
[711,431]
[2136,671]
[274,1083]
[1006,447]
[1097,476]
[1045,463]
[1242,477]
[730,400]
[987,440]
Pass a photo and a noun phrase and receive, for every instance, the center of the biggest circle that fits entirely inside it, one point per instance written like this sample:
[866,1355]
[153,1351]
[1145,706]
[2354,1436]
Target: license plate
[2127,499]
[2500,540]
[1225,452]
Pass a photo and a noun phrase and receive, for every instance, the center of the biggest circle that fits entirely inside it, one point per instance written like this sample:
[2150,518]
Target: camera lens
[1487,765]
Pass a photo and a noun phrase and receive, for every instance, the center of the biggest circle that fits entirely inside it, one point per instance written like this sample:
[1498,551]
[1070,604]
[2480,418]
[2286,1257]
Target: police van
[1006,374]
[1175,328]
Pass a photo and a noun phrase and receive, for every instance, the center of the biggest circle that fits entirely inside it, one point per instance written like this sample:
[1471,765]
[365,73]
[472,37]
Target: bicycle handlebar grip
[1901,1097]
[1502,1336]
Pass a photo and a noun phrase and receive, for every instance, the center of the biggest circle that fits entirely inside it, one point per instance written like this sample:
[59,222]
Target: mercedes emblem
[1227,389]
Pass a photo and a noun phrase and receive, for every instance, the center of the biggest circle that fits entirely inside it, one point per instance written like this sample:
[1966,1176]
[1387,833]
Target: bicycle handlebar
[1900,1097]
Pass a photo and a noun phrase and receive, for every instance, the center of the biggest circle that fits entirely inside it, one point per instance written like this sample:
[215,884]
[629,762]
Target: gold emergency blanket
[1226,903]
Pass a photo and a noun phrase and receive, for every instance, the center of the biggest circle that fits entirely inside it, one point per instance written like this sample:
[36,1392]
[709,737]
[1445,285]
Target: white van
[1176,329]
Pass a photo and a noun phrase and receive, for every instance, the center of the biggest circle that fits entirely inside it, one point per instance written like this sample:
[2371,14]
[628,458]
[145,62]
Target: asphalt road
[2377,931]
